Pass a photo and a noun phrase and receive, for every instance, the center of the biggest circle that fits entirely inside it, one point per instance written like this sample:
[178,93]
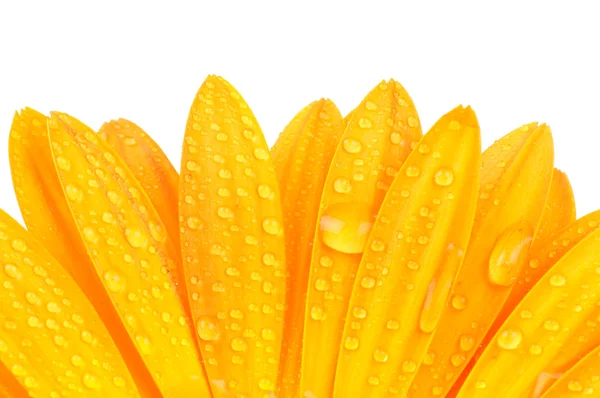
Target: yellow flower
[356,258]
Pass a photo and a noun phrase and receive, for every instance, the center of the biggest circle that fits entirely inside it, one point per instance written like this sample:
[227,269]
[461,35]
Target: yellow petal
[380,136]
[51,337]
[48,218]
[534,335]
[152,168]
[128,246]
[559,210]
[232,242]
[541,259]
[583,379]
[515,180]
[412,257]
[302,155]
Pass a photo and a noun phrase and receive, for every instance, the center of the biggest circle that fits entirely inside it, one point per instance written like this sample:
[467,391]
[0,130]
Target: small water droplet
[365,123]
[114,281]
[367,282]
[90,381]
[412,171]
[380,356]
[207,329]
[63,163]
[342,185]
[351,145]
[74,193]
[238,344]
[271,226]
[444,177]
[558,280]
[459,302]
[509,338]
[317,313]
[351,343]
[136,237]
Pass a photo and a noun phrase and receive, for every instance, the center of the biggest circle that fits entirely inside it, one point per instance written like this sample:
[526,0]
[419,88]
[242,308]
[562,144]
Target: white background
[514,63]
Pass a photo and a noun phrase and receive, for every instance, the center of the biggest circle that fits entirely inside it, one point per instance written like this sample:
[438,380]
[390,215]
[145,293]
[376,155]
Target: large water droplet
[509,254]
[345,227]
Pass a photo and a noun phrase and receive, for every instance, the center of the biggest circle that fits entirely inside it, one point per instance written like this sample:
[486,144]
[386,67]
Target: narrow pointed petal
[302,156]
[559,210]
[416,245]
[583,379]
[48,218]
[151,167]
[533,336]
[380,136]
[129,249]
[52,339]
[515,180]
[233,243]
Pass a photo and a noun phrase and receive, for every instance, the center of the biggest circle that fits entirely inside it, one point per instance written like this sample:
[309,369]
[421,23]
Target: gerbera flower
[356,258]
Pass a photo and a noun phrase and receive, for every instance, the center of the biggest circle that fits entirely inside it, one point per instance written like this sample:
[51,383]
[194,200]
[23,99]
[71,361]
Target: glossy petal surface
[411,259]
[302,157]
[233,243]
[515,180]
[380,136]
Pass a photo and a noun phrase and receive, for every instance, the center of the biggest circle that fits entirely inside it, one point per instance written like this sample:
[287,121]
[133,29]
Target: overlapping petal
[353,259]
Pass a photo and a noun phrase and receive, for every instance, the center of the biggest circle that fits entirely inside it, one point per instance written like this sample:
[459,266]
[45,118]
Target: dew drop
[136,237]
[238,345]
[90,381]
[351,343]
[509,338]
[459,302]
[558,280]
[19,245]
[114,281]
[74,193]
[342,185]
[510,254]
[63,163]
[345,227]
[261,154]
[367,282]
[380,356]
[444,177]
[365,123]
[412,171]
[271,226]
[317,313]
[351,145]
[207,329]
[12,271]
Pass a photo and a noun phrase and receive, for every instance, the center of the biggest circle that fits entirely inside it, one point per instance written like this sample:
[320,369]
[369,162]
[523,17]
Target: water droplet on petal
[351,145]
[114,281]
[509,338]
[444,177]
[510,254]
[345,227]
[207,329]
